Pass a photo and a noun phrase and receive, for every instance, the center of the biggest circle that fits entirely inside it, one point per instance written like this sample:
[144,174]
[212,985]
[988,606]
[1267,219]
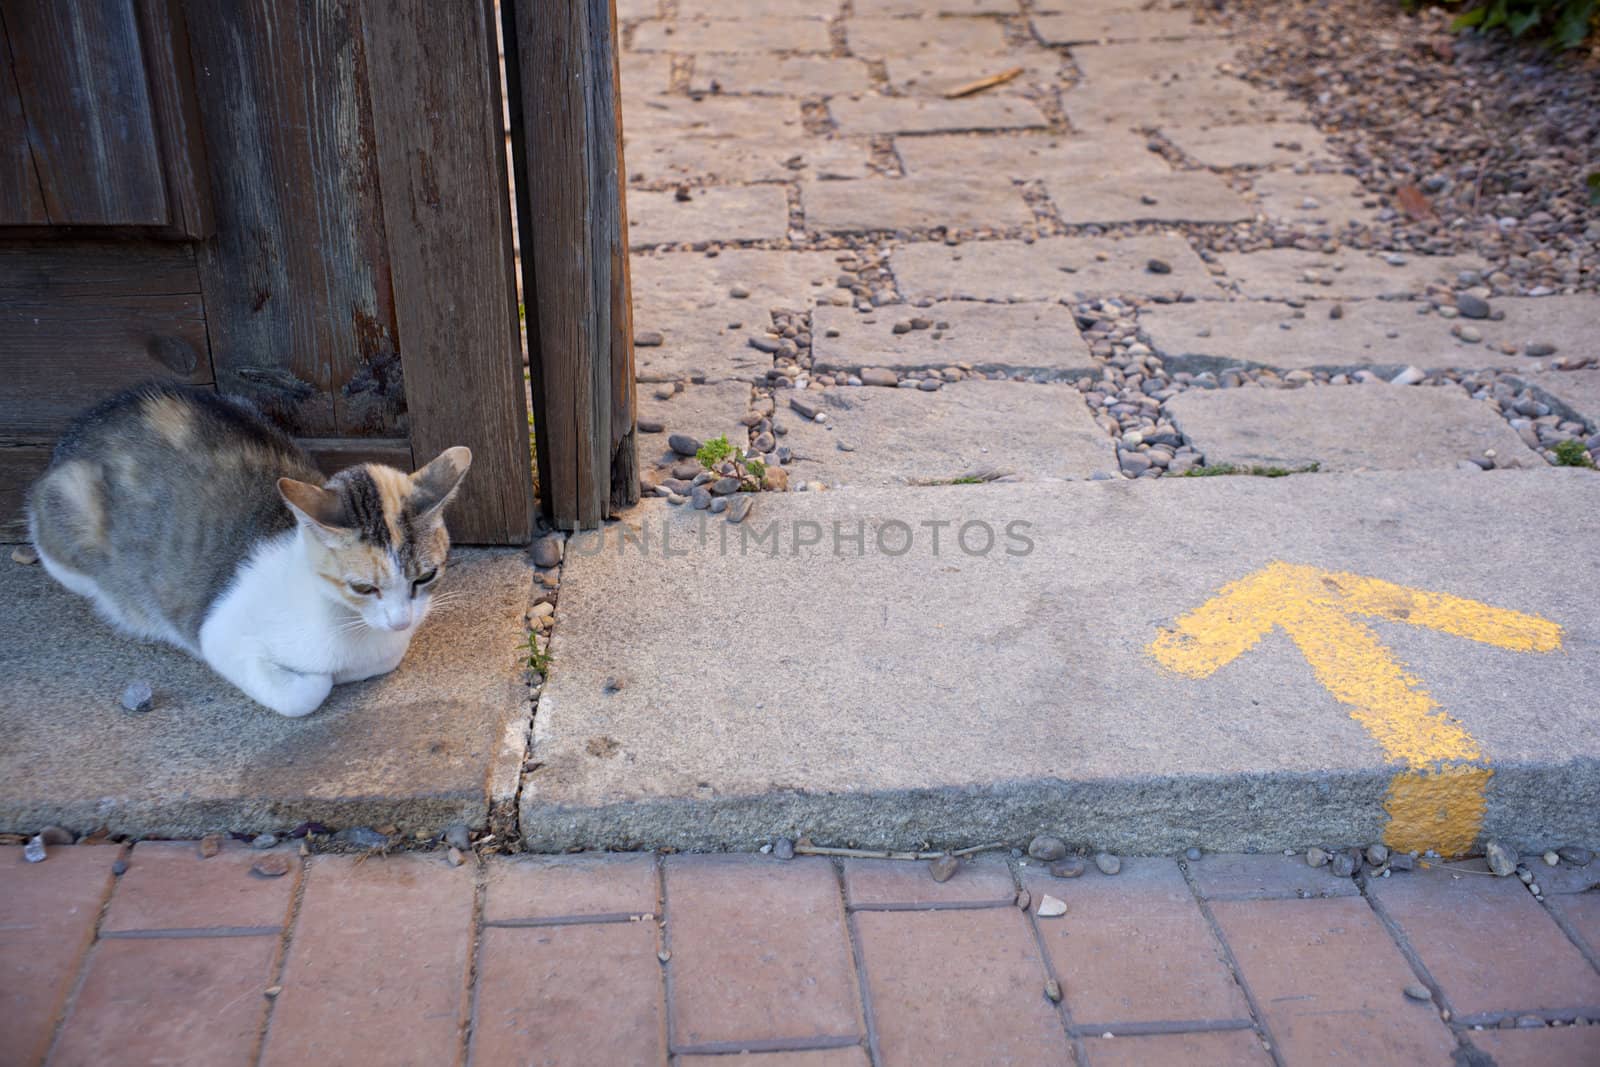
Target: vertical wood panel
[21,201]
[566,133]
[436,112]
[177,117]
[298,295]
[80,74]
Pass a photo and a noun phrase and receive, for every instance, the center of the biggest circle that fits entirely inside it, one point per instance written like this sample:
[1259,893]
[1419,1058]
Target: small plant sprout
[1572,453]
[715,451]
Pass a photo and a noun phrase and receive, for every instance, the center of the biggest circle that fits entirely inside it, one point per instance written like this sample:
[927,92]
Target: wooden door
[303,202]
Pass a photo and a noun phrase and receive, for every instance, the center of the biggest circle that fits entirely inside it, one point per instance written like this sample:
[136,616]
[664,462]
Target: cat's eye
[362,588]
[424,579]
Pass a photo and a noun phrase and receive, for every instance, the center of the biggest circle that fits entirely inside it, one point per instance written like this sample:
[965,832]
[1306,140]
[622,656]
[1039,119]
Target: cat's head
[376,536]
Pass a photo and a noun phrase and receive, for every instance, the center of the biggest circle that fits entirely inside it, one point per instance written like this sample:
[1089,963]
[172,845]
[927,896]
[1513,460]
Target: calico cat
[188,519]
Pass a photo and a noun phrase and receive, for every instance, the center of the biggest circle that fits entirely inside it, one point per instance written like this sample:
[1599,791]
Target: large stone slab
[912,699]
[673,157]
[1249,144]
[1177,196]
[1346,428]
[978,429]
[876,38]
[701,411]
[687,298]
[757,9]
[909,114]
[732,35]
[1036,338]
[1065,160]
[643,74]
[1577,390]
[1294,274]
[1315,203]
[937,71]
[883,8]
[1057,268]
[712,118]
[440,740]
[1144,60]
[962,203]
[1203,100]
[631,10]
[715,213]
[1377,333]
[786,76]
[1092,27]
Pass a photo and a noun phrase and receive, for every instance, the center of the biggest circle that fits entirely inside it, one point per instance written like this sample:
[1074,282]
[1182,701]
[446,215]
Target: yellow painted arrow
[1438,800]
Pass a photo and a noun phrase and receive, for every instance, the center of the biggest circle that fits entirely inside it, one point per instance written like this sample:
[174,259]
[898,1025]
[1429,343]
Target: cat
[187,518]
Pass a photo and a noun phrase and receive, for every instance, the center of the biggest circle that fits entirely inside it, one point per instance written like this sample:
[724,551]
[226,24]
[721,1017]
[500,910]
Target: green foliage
[1568,22]
[1593,184]
[538,658]
[1573,454]
[756,469]
[1214,470]
[714,451]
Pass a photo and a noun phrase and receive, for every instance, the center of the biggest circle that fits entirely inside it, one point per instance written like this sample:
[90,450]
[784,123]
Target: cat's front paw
[296,695]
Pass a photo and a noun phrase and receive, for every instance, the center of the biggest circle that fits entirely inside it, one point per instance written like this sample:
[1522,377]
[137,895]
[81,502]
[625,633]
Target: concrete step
[1235,663]
[440,740]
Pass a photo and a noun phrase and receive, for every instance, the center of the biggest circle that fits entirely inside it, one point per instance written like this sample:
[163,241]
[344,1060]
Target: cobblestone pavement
[638,959]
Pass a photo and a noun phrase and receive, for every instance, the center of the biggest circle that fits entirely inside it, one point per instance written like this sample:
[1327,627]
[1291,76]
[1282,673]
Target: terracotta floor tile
[544,887]
[169,887]
[1136,948]
[50,912]
[377,961]
[1566,1046]
[1583,912]
[170,1001]
[1238,876]
[1226,1048]
[854,1056]
[985,879]
[1488,943]
[581,994]
[1331,983]
[959,987]
[759,951]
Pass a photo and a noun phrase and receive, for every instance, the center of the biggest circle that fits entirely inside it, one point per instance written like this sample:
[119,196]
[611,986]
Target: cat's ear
[319,508]
[434,485]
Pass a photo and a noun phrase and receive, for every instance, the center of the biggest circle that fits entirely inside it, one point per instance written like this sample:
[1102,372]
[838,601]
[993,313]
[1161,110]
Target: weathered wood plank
[447,213]
[20,464]
[21,200]
[177,117]
[80,74]
[296,280]
[46,270]
[334,454]
[566,133]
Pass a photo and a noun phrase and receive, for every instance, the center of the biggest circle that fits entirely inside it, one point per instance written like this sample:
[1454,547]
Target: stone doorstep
[952,698]
[439,741]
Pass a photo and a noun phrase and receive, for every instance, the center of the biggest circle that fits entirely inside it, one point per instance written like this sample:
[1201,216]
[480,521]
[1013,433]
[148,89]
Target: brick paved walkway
[634,959]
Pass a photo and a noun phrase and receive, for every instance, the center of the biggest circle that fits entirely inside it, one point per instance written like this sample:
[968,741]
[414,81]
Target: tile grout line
[858,961]
[1403,943]
[1063,1013]
[1558,915]
[480,894]
[664,940]
[87,954]
[186,933]
[608,918]
[1262,1029]
[280,962]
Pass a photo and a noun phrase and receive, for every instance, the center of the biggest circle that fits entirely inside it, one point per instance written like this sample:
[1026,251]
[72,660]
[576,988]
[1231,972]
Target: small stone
[807,408]
[719,504]
[1551,859]
[457,835]
[739,507]
[272,991]
[138,697]
[725,487]
[943,868]
[361,837]
[664,955]
[1377,855]
[1050,907]
[56,835]
[700,497]
[1469,334]
[274,866]
[34,851]
[1344,865]
[210,845]
[1192,853]
[739,292]
[647,339]
[1052,991]
[1047,849]
[1316,857]
[25,555]
[454,857]
[1471,306]
[1158,266]
[614,683]
[265,841]
[1410,376]
[1525,875]
[650,425]
[879,376]
[783,848]
[1529,1022]
[1107,863]
[1418,992]
[1576,855]
[1024,899]
[1071,867]
[775,480]
[1502,860]
[119,867]
[1336,312]
[901,327]
[683,444]
[1539,348]
[1402,861]
[547,552]
[930,385]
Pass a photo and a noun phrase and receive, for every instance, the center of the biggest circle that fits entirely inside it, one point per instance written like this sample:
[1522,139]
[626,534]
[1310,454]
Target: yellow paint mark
[1440,797]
